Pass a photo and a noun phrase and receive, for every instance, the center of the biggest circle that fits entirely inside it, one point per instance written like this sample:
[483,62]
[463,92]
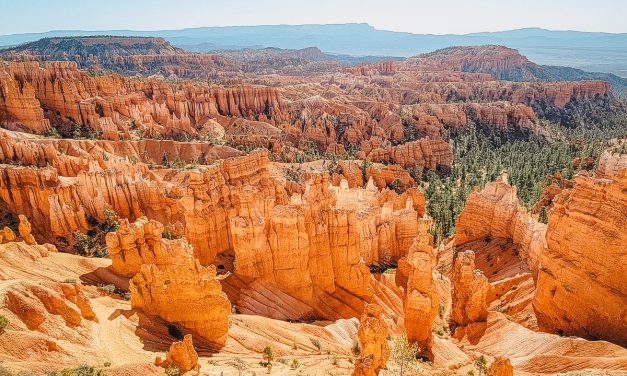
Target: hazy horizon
[417,17]
[317,24]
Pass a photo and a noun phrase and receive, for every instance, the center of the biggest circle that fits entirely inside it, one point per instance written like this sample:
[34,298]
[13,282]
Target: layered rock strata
[495,212]
[580,286]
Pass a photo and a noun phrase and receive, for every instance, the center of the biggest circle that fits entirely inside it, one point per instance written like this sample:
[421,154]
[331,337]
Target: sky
[415,16]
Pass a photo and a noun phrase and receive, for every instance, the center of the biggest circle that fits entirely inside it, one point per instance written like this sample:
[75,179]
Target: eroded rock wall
[495,212]
[580,287]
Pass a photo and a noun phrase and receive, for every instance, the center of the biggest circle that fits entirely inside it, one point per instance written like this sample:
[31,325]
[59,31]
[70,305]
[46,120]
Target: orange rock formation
[24,228]
[297,241]
[181,355]
[372,335]
[142,242]
[470,290]
[7,235]
[168,281]
[188,295]
[421,301]
[495,212]
[580,281]
[500,367]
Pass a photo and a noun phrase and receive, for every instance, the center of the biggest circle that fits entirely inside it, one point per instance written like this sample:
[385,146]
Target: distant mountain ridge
[93,45]
[146,56]
[603,52]
[509,64]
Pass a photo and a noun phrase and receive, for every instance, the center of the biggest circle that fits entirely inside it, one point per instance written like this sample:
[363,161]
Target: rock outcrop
[7,235]
[142,242]
[495,212]
[469,291]
[503,115]
[32,302]
[372,336]
[610,164]
[500,367]
[421,301]
[181,355]
[168,281]
[424,153]
[187,295]
[280,233]
[390,176]
[112,104]
[495,60]
[381,68]
[24,228]
[580,286]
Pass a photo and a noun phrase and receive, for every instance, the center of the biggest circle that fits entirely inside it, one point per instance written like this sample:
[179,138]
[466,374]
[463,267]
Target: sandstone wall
[495,212]
[580,287]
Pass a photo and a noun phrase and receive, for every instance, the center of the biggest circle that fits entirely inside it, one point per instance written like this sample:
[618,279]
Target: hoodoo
[421,302]
[372,335]
[470,290]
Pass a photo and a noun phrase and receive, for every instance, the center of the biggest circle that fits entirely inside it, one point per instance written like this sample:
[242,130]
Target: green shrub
[109,289]
[69,280]
[482,364]
[295,364]
[268,354]
[4,322]
[52,132]
[403,353]
[316,343]
[83,370]
[111,223]
[172,371]
[82,244]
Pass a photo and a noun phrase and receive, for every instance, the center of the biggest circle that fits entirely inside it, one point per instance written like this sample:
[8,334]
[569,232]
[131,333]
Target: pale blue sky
[417,16]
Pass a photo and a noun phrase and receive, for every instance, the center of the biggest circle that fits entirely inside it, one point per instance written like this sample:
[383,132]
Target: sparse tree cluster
[481,155]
